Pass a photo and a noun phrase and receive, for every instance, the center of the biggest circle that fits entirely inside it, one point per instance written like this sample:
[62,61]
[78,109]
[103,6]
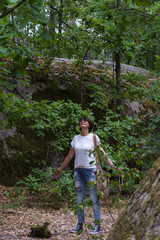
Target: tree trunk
[60,14]
[60,19]
[52,22]
[118,4]
[118,71]
[140,218]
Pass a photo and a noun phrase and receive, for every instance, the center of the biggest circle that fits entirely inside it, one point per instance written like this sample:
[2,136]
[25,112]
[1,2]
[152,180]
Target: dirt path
[16,223]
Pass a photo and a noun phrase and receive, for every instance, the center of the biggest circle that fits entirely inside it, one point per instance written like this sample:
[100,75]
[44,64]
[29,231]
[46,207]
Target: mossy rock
[25,150]
[40,231]
[140,220]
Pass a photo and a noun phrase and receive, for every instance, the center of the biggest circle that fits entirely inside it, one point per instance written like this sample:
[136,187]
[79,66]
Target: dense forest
[34,33]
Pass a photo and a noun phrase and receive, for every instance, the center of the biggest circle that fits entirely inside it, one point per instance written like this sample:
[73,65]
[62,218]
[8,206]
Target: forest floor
[16,223]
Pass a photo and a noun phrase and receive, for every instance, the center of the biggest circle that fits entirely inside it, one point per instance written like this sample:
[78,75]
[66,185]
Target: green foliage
[40,185]
[101,30]
[2,223]
[157,64]
[58,119]
[32,183]
[67,185]
[99,27]
[101,237]
[131,142]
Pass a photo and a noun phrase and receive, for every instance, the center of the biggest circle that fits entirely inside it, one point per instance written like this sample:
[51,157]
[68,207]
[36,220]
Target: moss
[63,81]
[40,231]
[140,218]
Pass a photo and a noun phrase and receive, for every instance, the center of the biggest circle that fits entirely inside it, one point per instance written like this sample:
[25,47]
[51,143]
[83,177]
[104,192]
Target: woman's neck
[84,132]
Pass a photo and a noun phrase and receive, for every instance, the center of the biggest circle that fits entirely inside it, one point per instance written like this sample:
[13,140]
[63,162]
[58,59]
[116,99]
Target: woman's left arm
[106,158]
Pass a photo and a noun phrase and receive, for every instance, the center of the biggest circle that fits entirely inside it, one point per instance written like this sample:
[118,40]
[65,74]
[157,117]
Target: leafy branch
[12,9]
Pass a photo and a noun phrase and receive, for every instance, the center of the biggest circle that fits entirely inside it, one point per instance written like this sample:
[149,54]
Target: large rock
[141,218]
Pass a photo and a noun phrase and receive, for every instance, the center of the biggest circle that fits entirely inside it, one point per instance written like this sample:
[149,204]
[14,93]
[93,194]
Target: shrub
[41,188]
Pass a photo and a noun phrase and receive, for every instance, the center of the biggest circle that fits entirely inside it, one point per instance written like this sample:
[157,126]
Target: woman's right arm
[65,162]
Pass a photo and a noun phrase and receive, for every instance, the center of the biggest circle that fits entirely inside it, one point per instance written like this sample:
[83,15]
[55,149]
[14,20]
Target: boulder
[141,218]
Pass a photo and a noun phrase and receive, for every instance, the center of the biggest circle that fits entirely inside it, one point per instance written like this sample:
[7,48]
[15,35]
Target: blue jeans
[87,178]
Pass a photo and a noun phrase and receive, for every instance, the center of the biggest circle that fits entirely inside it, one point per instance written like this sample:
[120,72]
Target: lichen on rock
[141,217]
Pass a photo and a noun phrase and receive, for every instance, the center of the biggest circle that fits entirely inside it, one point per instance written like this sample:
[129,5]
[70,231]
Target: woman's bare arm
[106,158]
[65,162]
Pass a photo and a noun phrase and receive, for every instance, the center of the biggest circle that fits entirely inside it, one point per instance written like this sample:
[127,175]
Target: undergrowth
[40,189]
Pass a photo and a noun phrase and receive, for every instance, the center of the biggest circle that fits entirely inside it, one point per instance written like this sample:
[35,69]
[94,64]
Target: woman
[85,171]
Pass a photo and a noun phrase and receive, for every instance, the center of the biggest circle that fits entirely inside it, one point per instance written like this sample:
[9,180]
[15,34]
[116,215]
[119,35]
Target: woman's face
[84,124]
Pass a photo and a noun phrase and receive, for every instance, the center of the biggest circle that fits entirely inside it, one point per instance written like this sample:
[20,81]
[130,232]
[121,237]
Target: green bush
[131,142]
[54,120]
[41,187]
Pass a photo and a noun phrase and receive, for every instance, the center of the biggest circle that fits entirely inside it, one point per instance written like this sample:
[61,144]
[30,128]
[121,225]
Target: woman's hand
[65,162]
[58,173]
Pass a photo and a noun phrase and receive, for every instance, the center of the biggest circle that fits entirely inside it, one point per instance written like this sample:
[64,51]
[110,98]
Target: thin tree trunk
[52,22]
[118,4]
[60,15]
[81,76]
[60,22]
[118,72]
[34,34]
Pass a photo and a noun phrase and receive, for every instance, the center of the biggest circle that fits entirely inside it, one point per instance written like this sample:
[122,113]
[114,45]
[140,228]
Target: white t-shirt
[83,146]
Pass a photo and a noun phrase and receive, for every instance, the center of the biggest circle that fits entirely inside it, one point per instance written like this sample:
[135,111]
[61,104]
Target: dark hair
[89,121]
